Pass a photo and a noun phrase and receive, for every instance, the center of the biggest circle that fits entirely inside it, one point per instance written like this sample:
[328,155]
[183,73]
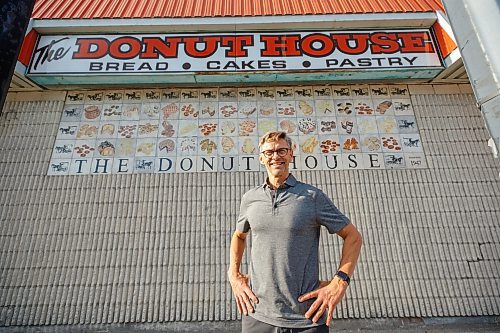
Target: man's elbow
[354,238]
[358,239]
[351,235]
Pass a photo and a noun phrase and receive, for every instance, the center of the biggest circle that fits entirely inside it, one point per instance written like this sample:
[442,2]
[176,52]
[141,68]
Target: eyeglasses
[270,153]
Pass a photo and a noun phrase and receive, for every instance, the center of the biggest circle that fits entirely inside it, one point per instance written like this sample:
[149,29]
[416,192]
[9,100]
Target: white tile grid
[315,115]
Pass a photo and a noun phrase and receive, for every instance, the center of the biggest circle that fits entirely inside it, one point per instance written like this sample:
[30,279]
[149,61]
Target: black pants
[251,325]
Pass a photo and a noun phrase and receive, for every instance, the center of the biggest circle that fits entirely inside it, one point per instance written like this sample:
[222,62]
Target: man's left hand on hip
[328,295]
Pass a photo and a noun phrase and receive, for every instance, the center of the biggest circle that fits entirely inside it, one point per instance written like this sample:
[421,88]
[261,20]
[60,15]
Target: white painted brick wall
[154,248]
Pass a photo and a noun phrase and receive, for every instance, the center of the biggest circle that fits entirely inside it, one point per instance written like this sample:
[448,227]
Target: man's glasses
[281,152]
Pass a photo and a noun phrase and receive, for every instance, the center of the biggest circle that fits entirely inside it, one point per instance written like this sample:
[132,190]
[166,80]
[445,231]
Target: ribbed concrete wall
[154,247]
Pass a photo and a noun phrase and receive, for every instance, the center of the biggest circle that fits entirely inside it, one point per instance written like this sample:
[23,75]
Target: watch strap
[343,276]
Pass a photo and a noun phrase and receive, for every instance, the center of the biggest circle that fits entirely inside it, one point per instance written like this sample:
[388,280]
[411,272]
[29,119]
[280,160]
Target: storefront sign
[217,129]
[237,52]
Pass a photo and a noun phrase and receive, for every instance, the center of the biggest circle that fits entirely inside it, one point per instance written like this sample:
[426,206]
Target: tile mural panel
[217,129]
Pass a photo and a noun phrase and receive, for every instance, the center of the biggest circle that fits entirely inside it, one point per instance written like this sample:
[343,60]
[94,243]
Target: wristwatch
[343,276]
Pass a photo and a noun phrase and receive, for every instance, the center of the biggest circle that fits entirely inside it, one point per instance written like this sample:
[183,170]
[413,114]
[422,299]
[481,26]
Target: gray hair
[275,136]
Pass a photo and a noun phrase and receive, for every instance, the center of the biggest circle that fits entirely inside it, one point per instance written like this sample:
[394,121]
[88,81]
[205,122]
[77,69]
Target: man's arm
[329,294]
[350,249]
[239,282]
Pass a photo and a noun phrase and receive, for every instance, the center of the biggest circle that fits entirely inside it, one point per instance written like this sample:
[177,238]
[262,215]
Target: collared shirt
[285,226]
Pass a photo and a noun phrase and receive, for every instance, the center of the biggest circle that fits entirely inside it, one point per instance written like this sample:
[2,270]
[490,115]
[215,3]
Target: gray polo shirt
[284,264]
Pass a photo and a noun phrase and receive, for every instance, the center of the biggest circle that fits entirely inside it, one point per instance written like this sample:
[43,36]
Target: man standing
[283,292]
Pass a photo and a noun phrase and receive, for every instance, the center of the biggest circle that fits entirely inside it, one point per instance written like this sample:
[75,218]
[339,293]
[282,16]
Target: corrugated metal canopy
[87,9]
